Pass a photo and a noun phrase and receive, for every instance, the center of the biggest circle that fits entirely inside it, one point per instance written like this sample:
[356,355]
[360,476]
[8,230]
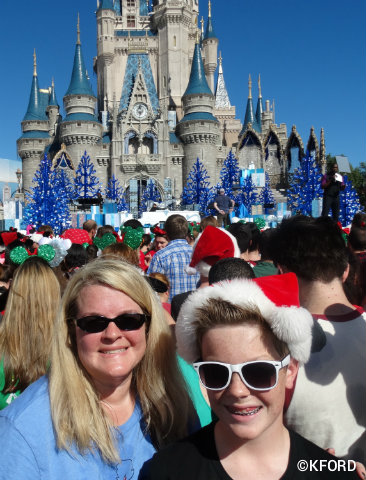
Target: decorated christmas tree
[115,192]
[87,184]
[65,184]
[229,174]
[47,203]
[349,203]
[197,190]
[305,186]
[266,196]
[247,196]
[149,196]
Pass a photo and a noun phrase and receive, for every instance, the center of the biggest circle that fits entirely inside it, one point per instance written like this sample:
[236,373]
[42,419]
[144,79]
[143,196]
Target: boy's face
[245,414]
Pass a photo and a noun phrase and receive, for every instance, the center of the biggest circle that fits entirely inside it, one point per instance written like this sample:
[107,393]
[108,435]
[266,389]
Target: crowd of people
[187,352]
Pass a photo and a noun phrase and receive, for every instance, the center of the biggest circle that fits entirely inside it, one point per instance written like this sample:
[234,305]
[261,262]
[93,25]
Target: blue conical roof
[197,80]
[258,115]
[210,33]
[35,110]
[249,113]
[106,4]
[53,99]
[79,84]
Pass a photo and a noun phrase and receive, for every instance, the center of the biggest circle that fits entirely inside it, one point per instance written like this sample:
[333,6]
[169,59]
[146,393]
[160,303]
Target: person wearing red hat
[245,339]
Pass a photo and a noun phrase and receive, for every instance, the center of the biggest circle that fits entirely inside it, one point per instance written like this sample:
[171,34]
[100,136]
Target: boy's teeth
[247,412]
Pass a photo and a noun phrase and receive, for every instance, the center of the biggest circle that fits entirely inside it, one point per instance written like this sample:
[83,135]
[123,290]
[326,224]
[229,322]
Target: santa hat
[77,235]
[276,297]
[9,237]
[212,245]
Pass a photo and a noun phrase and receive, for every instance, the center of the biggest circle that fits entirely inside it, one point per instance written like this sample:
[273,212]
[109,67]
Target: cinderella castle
[157,107]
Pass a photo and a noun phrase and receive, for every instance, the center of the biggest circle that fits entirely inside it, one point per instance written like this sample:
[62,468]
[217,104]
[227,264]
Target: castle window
[79,124]
[131,3]
[131,21]
[174,41]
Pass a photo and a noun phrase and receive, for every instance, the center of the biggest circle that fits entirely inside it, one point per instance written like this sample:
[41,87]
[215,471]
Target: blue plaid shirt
[171,261]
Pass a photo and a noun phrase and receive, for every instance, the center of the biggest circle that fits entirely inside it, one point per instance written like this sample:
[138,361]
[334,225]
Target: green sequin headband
[19,254]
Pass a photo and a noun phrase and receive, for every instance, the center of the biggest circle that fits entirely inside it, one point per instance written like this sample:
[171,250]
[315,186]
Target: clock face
[139,111]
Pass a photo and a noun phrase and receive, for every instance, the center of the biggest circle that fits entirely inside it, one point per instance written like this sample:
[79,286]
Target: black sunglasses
[125,321]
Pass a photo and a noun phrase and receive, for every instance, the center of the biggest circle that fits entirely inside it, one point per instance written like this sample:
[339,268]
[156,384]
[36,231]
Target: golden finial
[250,87]
[53,83]
[197,37]
[34,63]
[202,25]
[220,60]
[78,31]
[259,86]
[209,8]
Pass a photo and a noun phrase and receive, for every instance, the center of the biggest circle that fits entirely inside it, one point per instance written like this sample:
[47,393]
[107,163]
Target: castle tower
[35,127]
[53,110]
[80,130]
[249,112]
[106,18]
[199,129]
[210,43]
[175,24]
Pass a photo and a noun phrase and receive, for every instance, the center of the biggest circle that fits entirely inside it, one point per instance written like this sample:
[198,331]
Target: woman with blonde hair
[27,327]
[114,393]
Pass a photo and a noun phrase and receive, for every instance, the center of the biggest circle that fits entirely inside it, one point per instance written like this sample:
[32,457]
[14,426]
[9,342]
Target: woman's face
[245,414]
[160,242]
[110,356]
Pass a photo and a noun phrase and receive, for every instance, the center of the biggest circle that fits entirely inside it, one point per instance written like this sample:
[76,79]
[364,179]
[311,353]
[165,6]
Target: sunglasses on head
[125,321]
[256,375]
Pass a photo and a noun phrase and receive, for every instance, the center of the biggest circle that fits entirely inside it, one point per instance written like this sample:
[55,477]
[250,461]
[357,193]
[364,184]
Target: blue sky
[310,54]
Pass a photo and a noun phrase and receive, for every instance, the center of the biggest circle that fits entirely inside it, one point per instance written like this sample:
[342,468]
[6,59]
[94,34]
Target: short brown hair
[176,227]
[90,225]
[218,312]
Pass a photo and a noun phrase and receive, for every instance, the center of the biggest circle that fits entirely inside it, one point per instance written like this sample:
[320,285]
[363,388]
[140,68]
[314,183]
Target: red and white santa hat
[212,245]
[276,297]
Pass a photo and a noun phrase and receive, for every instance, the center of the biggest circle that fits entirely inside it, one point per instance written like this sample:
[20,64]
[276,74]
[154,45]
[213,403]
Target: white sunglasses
[257,375]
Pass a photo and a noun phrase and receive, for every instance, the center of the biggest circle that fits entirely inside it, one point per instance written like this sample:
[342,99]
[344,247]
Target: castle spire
[197,80]
[79,84]
[34,110]
[34,63]
[249,113]
[259,111]
[53,99]
[210,33]
[221,95]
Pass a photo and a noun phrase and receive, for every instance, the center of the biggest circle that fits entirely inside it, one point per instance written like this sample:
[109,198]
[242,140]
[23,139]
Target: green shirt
[5,398]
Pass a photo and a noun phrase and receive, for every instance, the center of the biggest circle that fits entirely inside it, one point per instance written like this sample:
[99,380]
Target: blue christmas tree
[247,196]
[197,190]
[349,203]
[87,184]
[115,192]
[150,195]
[65,184]
[305,186]
[47,203]
[266,195]
[229,174]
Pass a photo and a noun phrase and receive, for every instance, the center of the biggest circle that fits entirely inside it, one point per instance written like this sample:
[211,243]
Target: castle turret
[35,128]
[106,17]
[52,110]
[210,44]
[249,112]
[80,130]
[199,129]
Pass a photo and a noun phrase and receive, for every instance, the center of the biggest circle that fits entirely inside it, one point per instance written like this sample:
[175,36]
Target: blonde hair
[27,326]
[77,414]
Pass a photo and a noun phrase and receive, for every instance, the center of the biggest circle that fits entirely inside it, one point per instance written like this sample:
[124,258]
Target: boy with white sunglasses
[245,339]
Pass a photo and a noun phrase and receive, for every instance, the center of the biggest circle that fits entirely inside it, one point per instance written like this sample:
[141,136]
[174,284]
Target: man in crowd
[175,257]
[332,184]
[224,206]
[91,227]
[328,403]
